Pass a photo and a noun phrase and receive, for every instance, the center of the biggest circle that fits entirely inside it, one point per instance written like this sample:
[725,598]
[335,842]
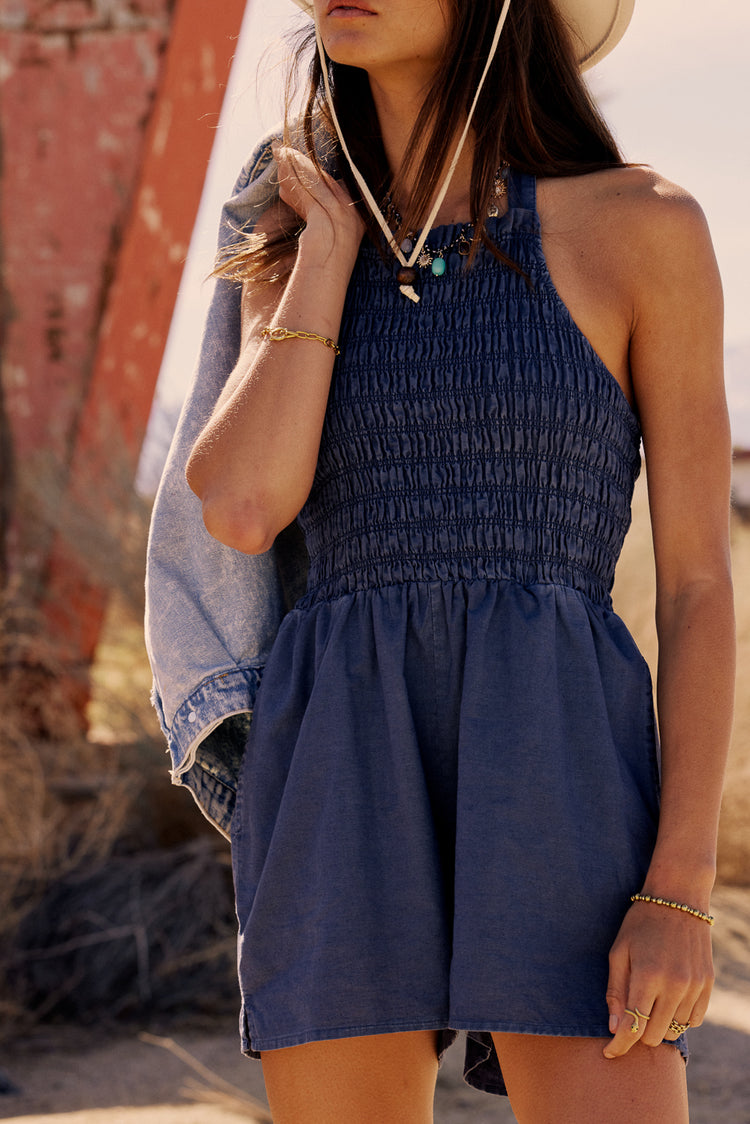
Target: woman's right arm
[254,462]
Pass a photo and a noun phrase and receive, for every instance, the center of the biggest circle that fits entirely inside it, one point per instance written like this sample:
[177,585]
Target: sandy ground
[80,1077]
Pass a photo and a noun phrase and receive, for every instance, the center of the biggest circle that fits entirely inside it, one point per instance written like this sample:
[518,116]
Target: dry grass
[92,922]
[60,802]
[212,1089]
[61,807]
[139,933]
[120,710]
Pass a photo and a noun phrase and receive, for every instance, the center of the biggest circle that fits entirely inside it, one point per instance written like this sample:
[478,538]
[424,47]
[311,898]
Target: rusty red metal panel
[73,105]
[136,323]
[88,299]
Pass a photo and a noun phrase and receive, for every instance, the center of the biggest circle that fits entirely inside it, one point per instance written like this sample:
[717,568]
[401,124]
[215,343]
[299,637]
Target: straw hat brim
[598,25]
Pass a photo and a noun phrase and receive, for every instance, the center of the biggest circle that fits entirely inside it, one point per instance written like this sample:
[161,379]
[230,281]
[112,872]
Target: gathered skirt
[450,791]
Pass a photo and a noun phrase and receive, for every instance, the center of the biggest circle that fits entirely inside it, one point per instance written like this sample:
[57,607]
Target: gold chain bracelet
[674,905]
[278,334]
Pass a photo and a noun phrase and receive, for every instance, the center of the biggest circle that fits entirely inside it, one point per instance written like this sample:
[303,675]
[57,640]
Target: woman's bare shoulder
[645,229]
[633,192]
[642,208]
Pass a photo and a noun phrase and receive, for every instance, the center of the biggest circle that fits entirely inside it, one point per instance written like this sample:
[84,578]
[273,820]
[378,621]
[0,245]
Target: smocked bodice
[473,435]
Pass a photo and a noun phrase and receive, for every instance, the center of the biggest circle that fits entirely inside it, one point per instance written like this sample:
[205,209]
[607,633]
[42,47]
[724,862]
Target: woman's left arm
[661,961]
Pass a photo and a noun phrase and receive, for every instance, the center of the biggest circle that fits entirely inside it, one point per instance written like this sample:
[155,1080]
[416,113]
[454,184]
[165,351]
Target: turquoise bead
[438,267]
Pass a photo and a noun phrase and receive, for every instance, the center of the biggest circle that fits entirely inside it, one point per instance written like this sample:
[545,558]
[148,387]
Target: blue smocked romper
[451,784]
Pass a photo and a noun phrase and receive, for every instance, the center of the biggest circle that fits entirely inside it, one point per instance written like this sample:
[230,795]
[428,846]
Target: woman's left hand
[660,966]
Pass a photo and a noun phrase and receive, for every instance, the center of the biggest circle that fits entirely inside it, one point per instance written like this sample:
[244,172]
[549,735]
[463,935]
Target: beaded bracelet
[674,905]
[277,334]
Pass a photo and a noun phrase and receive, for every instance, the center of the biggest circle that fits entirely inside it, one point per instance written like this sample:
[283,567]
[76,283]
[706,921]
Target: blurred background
[123,125]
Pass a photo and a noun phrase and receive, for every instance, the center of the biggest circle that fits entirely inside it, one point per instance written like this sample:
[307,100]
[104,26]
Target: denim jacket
[212,613]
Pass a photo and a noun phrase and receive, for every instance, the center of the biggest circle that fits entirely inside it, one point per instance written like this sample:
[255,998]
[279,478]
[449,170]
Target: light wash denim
[211,612]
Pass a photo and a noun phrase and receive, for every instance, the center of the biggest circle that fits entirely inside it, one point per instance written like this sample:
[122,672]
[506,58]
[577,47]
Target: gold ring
[677,1028]
[636,1014]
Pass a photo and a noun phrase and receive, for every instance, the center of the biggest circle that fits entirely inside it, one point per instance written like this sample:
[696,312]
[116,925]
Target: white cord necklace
[408,264]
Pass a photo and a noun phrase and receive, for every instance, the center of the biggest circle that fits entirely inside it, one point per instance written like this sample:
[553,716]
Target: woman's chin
[349,50]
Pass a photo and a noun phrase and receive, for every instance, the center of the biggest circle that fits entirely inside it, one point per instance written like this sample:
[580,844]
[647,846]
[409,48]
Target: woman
[448,810]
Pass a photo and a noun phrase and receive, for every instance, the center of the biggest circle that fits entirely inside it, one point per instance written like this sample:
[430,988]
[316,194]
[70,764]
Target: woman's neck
[398,105]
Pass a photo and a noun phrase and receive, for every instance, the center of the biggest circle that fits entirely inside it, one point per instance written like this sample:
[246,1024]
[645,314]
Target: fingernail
[613,1024]
[608,1055]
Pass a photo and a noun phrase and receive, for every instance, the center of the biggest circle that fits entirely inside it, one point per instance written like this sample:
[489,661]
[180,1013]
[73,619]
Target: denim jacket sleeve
[212,613]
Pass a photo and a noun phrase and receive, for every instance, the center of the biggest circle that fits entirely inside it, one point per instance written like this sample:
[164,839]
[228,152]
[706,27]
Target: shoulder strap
[521,191]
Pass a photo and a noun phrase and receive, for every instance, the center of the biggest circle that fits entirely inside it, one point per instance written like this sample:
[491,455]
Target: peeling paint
[21,406]
[108,142]
[149,210]
[177,252]
[55,42]
[92,79]
[77,296]
[80,15]
[161,127]
[149,64]
[13,16]
[208,68]
[16,375]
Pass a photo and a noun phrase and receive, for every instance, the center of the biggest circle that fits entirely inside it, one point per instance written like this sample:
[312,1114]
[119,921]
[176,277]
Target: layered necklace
[434,260]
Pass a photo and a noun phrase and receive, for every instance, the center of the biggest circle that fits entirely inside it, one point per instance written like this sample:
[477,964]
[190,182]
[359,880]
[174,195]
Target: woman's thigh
[569,1081]
[367,1080]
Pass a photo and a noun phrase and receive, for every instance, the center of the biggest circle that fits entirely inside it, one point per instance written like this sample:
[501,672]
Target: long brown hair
[534,112]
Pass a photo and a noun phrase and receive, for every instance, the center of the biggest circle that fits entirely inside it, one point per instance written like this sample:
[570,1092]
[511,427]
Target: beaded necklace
[435,259]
